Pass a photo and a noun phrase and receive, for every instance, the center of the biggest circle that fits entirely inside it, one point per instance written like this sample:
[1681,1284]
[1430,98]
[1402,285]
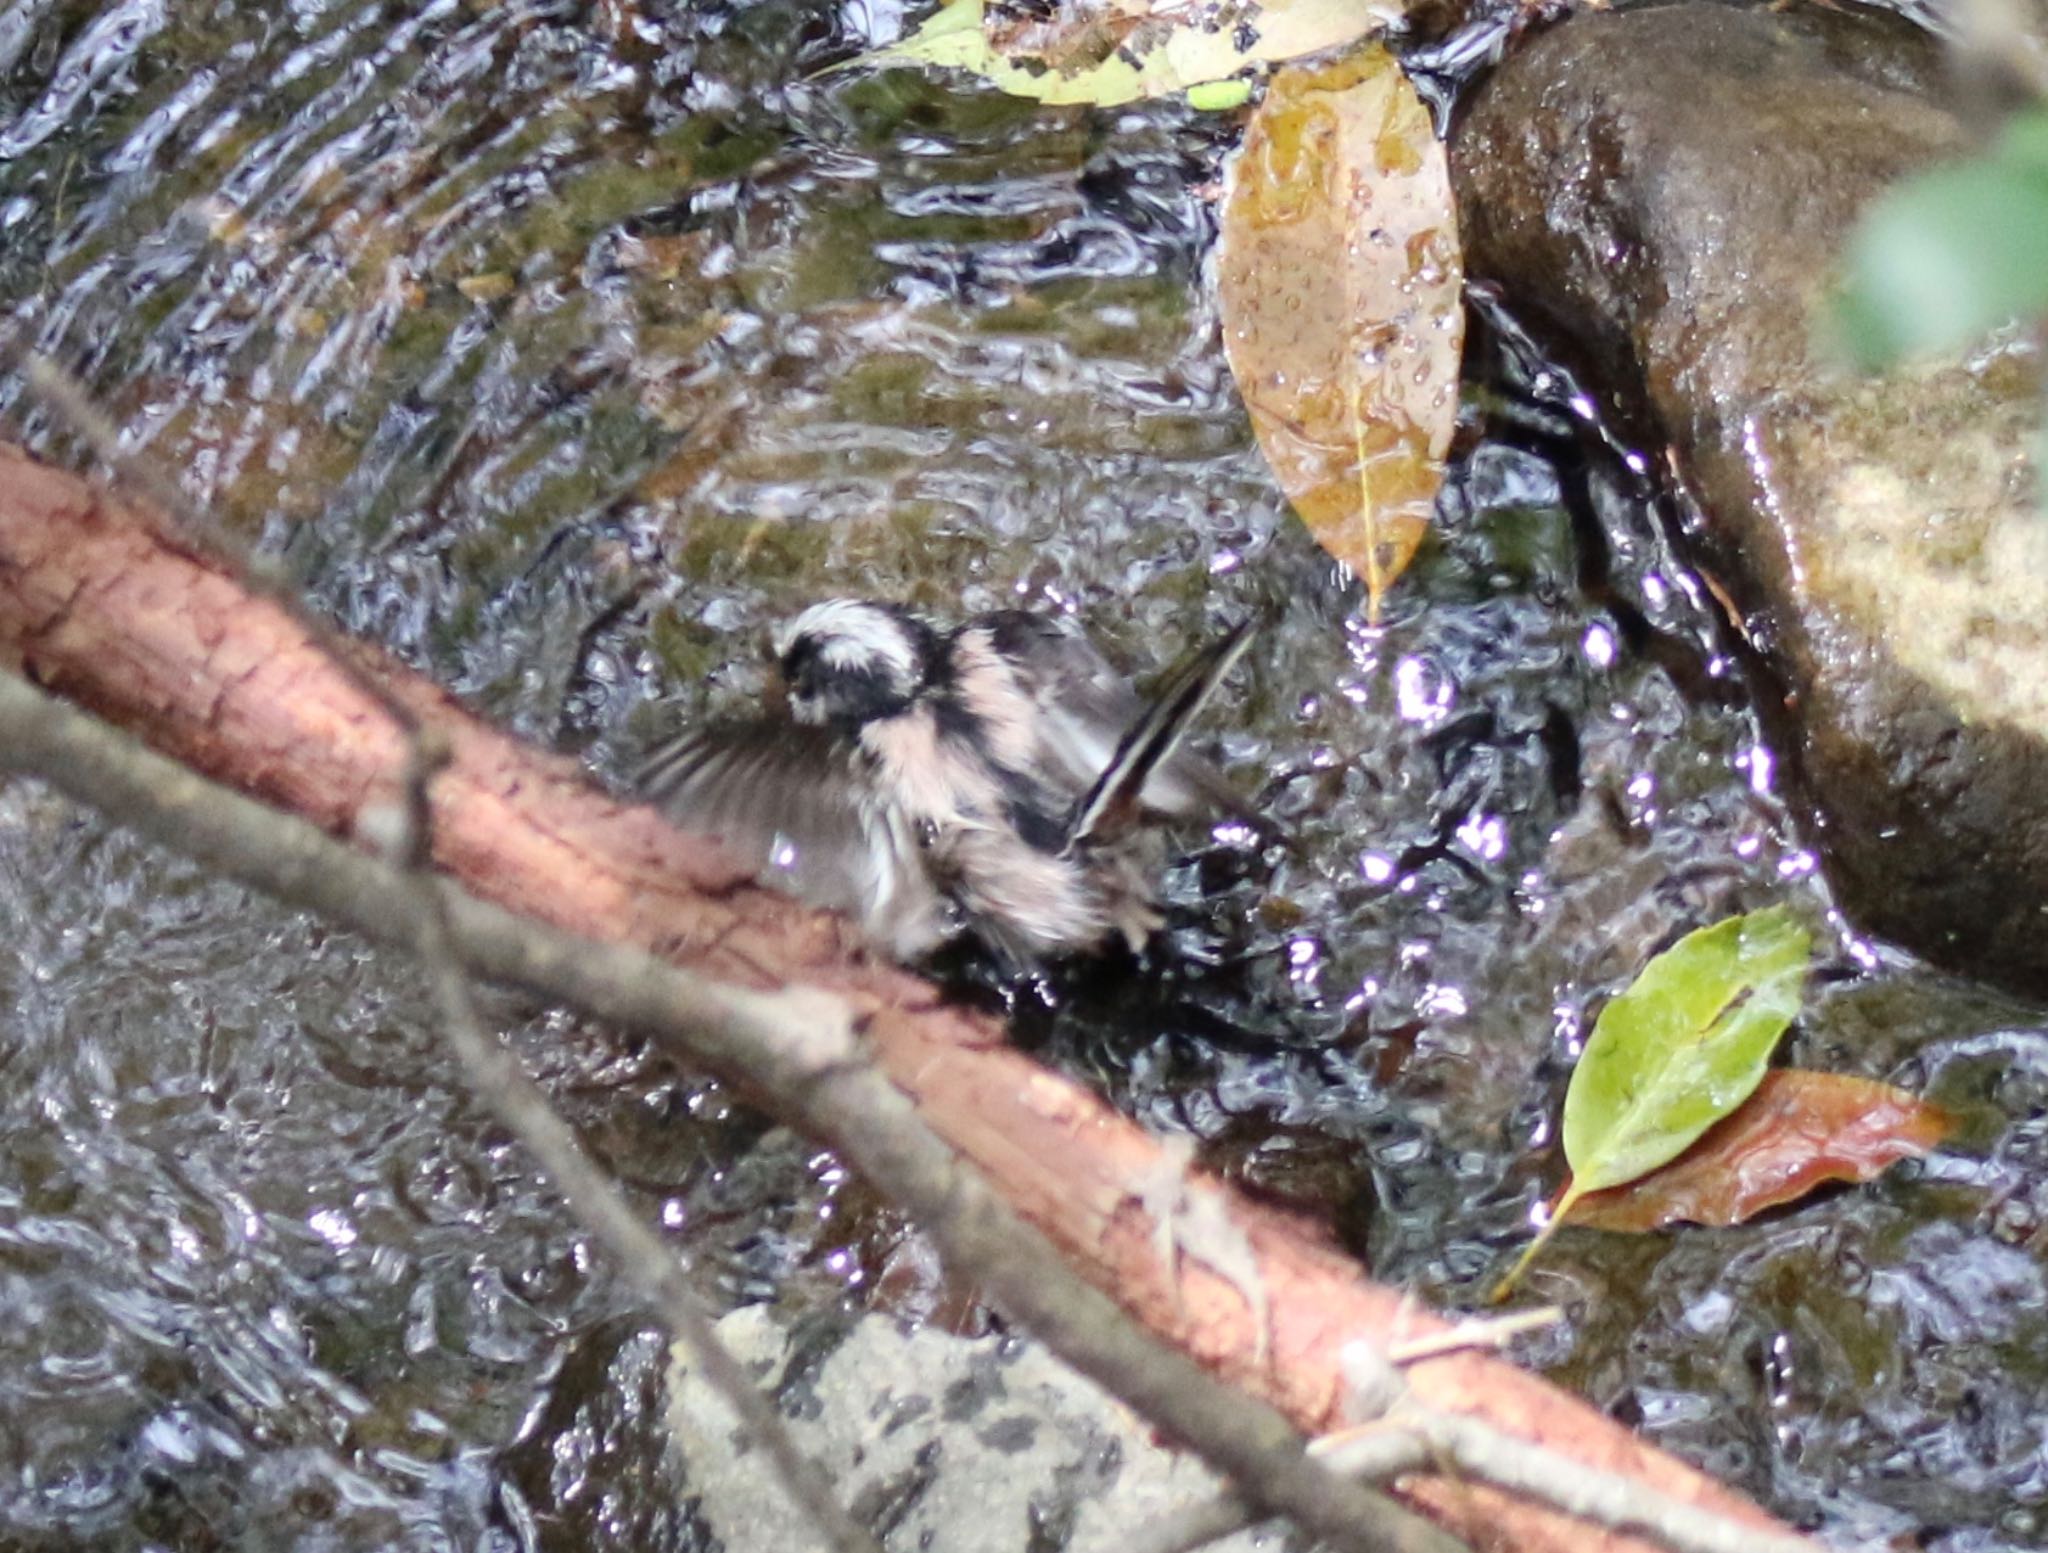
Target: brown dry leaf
[1340,281]
[1797,1132]
[1076,35]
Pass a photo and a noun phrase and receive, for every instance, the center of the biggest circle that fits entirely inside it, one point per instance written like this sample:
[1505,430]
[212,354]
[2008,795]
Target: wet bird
[999,778]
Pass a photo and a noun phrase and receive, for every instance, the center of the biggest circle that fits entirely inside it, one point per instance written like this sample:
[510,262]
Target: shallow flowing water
[563,348]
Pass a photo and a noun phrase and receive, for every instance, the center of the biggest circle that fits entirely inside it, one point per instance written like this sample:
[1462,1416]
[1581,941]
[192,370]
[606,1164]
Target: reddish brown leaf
[1798,1131]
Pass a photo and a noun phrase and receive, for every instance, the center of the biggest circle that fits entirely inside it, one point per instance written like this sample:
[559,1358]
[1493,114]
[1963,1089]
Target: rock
[1662,194]
[939,1443]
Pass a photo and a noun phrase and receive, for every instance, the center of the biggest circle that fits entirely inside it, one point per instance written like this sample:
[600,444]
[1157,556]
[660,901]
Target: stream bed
[563,349]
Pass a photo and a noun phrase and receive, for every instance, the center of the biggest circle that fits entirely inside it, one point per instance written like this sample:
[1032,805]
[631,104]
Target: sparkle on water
[562,349]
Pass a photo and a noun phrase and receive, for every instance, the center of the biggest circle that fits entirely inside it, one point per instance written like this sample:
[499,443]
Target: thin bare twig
[783,1045]
[1379,1458]
[1483,1332]
[1410,1437]
[593,1196]
[1491,1456]
[495,1074]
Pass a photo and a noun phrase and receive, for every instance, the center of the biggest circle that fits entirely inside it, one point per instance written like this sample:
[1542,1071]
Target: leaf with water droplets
[1341,286]
[1114,51]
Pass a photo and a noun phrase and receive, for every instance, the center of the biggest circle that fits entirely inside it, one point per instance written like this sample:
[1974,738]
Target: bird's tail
[1112,804]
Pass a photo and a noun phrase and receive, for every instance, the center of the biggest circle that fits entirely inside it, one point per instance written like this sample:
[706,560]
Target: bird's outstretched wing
[800,804]
[1085,711]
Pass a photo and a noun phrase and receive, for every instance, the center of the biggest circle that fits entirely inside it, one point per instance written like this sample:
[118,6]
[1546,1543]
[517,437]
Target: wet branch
[69,401]
[795,1045]
[1407,1436]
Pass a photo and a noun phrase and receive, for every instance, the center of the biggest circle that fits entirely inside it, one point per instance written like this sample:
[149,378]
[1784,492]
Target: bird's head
[850,661]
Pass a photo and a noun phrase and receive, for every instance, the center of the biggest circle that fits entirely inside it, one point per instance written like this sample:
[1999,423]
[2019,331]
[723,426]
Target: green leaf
[1102,55]
[1219,96]
[1686,1044]
[2024,142]
[1946,257]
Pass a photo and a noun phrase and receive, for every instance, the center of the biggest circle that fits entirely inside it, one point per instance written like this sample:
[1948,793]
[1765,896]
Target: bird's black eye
[799,660]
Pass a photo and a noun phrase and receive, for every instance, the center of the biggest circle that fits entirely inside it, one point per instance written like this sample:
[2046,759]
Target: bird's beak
[777,694]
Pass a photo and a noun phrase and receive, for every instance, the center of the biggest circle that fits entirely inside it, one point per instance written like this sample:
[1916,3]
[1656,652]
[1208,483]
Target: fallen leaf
[1341,285]
[1798,1131]
[1681,1048]
[1107,54]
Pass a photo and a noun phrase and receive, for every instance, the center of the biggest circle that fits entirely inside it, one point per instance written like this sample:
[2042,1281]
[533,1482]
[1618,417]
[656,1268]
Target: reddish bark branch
[97,607]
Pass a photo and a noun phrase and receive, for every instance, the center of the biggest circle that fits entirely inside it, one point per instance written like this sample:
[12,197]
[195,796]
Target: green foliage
[1682,1047]
[1219,96]
[1685,1045]
[1945,257]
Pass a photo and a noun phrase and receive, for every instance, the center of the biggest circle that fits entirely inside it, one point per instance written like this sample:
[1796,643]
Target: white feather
[854,634]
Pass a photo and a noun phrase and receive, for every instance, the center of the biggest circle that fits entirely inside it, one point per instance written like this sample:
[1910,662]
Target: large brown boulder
[1665,193]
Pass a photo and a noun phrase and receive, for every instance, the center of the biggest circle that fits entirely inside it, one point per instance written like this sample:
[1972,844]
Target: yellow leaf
[1106,54]
[1340,282]
[490,287]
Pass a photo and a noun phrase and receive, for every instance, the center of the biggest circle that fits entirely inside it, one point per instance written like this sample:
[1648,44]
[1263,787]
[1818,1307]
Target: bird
[997,778]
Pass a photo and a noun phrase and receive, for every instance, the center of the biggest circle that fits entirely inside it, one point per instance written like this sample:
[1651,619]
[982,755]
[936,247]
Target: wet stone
[1662,194]
[1045,1460]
